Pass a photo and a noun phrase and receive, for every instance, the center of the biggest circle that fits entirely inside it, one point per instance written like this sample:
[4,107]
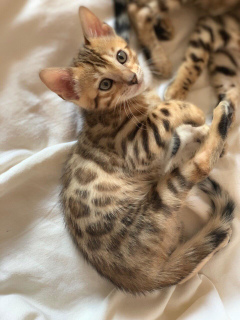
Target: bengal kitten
[133,166]
[215,43]
[152,23]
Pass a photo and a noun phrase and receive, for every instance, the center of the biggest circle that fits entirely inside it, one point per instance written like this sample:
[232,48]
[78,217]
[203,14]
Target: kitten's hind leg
[224,74]
[187,259]
[196,58]
[148,27]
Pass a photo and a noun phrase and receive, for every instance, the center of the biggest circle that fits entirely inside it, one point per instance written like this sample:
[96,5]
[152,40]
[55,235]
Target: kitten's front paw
[223,116]
[175,92]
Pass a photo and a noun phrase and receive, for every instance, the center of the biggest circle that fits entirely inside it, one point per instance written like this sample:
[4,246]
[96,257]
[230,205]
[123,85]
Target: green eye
[121,56]
[105,84]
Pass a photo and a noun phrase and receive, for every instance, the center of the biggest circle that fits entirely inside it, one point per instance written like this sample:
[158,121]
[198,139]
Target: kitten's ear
[60,81]
[93,27]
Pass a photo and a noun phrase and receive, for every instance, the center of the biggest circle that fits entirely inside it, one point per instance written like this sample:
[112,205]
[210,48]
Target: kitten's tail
[192,255]
[122,23]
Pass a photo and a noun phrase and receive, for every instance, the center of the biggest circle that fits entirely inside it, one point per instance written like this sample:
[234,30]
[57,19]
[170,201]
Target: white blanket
[42,275]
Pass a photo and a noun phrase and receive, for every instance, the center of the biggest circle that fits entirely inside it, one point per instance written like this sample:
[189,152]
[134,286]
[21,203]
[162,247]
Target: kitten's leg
[190,257]
[176,113]
[148,27]
[223,69]
[196,58]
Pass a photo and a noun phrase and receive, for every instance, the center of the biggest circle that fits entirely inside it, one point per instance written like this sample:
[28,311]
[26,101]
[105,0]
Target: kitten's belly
[112,221]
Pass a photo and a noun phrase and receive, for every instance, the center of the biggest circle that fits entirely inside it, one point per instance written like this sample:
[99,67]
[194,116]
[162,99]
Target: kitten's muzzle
[134,80]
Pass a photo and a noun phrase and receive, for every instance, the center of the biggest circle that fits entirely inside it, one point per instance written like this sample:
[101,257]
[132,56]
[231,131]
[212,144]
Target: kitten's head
[105,72]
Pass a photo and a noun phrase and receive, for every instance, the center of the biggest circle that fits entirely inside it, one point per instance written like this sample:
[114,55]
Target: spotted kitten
[153,25]
[133,166]
[215,43]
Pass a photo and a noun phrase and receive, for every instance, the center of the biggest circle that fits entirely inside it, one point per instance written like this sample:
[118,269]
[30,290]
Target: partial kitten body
[215,44]
[133,166]
[153,25]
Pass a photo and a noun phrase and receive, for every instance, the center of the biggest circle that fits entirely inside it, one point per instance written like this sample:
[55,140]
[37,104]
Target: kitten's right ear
[92,26]
[60,81]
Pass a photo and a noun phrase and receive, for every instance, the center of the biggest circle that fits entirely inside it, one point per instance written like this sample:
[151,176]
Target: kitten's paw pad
[175,92]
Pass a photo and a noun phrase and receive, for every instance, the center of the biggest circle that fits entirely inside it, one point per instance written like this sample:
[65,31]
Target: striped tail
[191,256]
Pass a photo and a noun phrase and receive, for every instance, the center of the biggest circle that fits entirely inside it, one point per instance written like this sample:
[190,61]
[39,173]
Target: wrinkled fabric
[42,275]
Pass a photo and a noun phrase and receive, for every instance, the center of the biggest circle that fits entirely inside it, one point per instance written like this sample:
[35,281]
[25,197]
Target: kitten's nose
[134,80]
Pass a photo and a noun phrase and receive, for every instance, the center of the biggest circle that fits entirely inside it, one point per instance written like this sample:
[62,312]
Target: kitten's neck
[102,127]
[132,107]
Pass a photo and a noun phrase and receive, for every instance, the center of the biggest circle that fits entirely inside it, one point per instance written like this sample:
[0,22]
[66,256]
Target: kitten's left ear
[60,81]
[92,26]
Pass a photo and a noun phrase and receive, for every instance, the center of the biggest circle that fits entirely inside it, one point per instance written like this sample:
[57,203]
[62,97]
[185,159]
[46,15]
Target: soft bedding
[42,275]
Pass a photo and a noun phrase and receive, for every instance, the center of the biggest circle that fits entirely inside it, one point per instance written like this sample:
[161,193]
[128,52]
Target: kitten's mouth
[136,89]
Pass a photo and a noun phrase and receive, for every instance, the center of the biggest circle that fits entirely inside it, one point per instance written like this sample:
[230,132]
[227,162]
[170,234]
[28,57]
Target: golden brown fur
[152,23]
[133,166]
[214,43]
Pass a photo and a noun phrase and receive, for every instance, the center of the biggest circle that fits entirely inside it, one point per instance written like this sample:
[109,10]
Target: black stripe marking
[225,36]
[200,44]
[155,132]
[166,124]
[104,165]
[122,125]
[171,187]
[145,141]
[165,112]
[216,237]
[181,179]
[195,58]
[96,102]
[176,144]
[224,125]
[209,30]
[225,70]
[227,54]
[198,69]
[157,203]
[133,133]
[136,150]
[204,45]
[99,228]
[194,43]
[102,202]
[124,147]
[78,208]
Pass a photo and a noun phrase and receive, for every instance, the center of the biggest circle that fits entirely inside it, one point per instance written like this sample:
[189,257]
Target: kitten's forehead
[106,45]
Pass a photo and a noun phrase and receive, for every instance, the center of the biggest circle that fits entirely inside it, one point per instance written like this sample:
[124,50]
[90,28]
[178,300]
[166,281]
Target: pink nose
[134,80]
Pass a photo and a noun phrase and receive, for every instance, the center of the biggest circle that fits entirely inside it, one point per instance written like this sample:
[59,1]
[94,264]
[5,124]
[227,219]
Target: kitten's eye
[105,84]
[121,56]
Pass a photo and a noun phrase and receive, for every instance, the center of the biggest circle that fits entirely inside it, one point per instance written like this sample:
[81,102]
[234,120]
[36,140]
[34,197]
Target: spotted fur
[133,166]
[152,23]
[215,44]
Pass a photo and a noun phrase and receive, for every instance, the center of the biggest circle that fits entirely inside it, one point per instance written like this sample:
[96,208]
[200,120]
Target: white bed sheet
[42,276]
